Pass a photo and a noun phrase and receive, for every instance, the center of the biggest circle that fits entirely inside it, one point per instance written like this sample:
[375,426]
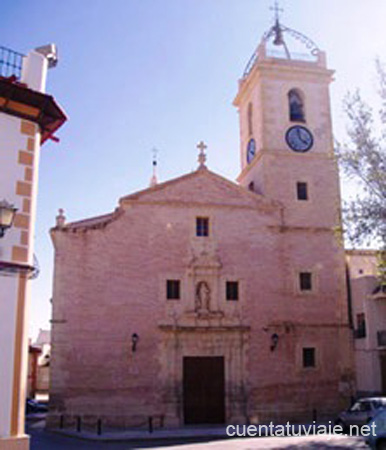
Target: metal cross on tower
[277,10]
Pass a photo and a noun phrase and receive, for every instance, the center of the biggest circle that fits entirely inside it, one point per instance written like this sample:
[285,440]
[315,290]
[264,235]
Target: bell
[278,36]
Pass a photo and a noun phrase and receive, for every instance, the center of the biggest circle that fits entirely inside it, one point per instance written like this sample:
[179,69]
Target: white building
[28,117]
[368,311]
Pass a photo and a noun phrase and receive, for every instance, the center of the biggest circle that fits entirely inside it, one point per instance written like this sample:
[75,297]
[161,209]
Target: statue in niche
[202,301]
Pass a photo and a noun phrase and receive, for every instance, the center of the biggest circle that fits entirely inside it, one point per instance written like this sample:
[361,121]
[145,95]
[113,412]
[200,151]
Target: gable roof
[201,187]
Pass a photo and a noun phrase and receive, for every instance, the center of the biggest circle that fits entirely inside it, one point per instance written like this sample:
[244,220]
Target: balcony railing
[10,63]
[381,338]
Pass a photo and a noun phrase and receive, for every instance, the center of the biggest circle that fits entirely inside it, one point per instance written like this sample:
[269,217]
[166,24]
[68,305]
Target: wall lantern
[274,341]
[7,215]
[134,341]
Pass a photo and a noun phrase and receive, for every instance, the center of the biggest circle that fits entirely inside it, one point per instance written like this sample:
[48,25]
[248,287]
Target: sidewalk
[160,434]
[186,433]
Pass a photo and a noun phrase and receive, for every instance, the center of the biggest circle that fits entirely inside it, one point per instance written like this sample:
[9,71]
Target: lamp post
[274,341]
[134,342]
[7,215]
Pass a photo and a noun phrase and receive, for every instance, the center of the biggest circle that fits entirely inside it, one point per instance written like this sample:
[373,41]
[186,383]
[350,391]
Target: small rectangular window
[302,191]
[360,331]
[305,281]
[232,288]
[173,290]
[308,357]
[202,226]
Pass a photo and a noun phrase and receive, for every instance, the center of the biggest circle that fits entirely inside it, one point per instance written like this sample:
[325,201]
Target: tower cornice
[274,68]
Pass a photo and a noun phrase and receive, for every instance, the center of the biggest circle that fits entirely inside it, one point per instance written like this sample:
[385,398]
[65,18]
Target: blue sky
[138,74]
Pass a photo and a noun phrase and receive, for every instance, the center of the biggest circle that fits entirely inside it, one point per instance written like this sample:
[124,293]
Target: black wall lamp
[7,215]
[134,342]
[274,341]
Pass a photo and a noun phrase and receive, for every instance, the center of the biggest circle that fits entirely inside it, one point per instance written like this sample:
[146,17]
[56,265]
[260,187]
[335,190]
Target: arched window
[250,114]
[296,106]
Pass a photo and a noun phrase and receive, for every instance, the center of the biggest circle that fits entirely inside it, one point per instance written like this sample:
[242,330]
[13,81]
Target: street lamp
[134,342]
[274,341]
[7,214]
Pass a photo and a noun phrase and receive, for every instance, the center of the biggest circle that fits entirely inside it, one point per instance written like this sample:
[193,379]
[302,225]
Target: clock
[251,150]
[299,139]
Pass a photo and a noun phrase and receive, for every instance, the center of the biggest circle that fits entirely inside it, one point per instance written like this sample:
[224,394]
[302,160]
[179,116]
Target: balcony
[379,293]
[11,63]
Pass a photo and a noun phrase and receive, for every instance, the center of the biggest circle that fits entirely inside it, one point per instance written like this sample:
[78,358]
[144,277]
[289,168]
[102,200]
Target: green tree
[363,159]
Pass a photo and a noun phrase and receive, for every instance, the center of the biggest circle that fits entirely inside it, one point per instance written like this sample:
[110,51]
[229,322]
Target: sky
[134,75]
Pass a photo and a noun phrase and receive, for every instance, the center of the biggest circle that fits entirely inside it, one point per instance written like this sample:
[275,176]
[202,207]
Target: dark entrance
[382,360]
[204,390]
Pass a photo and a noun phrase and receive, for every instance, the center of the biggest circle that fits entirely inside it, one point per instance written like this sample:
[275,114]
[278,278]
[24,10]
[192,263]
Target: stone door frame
[231,343]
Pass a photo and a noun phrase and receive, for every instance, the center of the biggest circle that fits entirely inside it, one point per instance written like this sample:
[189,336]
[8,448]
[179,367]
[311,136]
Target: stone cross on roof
[202,156]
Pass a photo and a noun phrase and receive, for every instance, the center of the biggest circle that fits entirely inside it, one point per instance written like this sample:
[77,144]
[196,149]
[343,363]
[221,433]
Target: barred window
[305,281]
[308,357]
[173,289]
[302,191]
[202,226]
[232,290]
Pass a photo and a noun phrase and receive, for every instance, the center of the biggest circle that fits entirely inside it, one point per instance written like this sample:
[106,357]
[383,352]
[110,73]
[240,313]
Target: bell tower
[286,142]
[287,155]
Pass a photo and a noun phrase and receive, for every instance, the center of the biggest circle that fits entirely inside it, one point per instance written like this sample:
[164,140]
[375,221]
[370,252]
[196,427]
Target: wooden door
[204,390]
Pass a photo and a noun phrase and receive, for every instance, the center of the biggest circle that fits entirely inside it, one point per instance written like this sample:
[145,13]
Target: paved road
[42,440]
[271,443]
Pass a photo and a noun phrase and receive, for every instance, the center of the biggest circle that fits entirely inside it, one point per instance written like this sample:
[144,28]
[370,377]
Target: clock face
[251,150]
[299,139]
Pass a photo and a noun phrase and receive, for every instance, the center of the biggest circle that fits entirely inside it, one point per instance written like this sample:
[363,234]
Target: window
[250,117]
[308,357]
[360,331]
[202,226]
[305,281]
[232,288]
[296,107]
[361,406]
[301,189]
[173,290]
[251,186]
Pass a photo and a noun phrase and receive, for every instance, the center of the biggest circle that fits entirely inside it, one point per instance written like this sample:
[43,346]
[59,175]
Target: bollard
[78,424]
[99,427]
[314,415]
[150,424]
[61,422]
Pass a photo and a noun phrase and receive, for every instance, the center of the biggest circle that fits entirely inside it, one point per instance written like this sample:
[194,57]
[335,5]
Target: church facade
[199,300]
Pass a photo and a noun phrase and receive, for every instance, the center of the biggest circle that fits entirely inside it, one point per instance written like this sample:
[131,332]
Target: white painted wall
[363,274]
[8,297]
[10,143]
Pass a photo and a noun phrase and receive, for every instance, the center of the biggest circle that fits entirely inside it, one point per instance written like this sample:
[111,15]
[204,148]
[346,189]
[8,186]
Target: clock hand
[300,136]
